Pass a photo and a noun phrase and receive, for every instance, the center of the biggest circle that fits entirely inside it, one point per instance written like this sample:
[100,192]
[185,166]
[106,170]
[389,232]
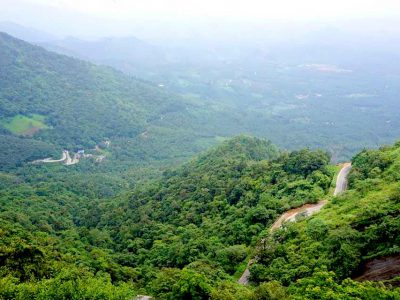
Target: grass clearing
[25,125]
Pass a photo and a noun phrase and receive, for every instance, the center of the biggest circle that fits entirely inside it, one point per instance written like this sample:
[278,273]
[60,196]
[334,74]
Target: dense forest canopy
[189,234]
[355,229]
[201,216]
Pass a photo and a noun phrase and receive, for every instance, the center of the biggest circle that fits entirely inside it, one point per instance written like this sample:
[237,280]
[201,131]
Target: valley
[251,161]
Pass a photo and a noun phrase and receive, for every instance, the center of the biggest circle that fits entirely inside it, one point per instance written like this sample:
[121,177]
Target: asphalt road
[341,181]
[308,209]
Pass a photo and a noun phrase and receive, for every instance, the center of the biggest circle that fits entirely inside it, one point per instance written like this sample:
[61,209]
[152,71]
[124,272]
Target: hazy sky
[112,16]
[230,9]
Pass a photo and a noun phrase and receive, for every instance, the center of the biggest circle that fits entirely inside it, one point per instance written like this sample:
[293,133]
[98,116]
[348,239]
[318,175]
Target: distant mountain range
[111,50]
[26,33]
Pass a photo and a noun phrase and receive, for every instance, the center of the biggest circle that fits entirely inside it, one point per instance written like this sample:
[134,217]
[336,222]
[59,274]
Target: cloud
[158,18]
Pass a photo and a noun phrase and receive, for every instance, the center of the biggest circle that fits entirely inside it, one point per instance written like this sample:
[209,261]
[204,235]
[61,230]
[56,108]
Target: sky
[228,9]
[96,17]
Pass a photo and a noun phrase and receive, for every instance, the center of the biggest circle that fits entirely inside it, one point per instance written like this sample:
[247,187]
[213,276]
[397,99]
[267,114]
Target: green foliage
[82,232]
[16,150]
[272,290]
[191,285]
[210,208]
[24,125]
[68,284]
[181,236]
[78,105]
[323,285]
[228,290]
[305,162]
[316,256]
[371,163]
[231,256]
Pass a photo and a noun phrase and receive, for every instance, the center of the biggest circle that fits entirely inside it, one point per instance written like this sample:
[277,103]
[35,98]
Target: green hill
[190,233]
[72,104]
[194,226]
[355,236]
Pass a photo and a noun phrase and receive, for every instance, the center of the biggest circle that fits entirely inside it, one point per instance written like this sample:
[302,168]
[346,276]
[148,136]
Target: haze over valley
[263,84]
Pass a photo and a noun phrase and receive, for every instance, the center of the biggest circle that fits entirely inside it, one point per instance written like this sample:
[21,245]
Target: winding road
[341,181]
[64,156]
[66,159]
[306,209]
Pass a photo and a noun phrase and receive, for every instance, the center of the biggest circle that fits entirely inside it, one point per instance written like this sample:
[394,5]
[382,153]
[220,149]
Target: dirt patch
[384,268]
[31,131]
[290,215]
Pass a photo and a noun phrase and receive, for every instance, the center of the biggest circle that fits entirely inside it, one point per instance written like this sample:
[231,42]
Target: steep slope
[83,103]
[356,235]
[191,228]
[183,236]
[202,216]
[72,104]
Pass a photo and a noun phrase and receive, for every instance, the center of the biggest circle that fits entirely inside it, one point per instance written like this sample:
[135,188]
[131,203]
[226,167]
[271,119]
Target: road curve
[290,215]
[71,161]
[341,181]
[50,160]
[307,209]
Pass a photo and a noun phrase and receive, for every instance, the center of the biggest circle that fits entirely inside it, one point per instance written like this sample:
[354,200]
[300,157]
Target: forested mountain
[188,234]
[197,222]
[356,236]
[72,104]
[195,98]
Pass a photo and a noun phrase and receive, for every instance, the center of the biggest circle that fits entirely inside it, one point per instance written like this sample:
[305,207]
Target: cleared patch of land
[25,125]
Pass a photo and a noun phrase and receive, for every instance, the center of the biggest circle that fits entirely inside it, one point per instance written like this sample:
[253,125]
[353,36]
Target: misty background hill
[333,87]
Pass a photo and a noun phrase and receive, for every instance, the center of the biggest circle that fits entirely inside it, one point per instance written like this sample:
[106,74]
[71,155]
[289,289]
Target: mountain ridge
[81,104]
